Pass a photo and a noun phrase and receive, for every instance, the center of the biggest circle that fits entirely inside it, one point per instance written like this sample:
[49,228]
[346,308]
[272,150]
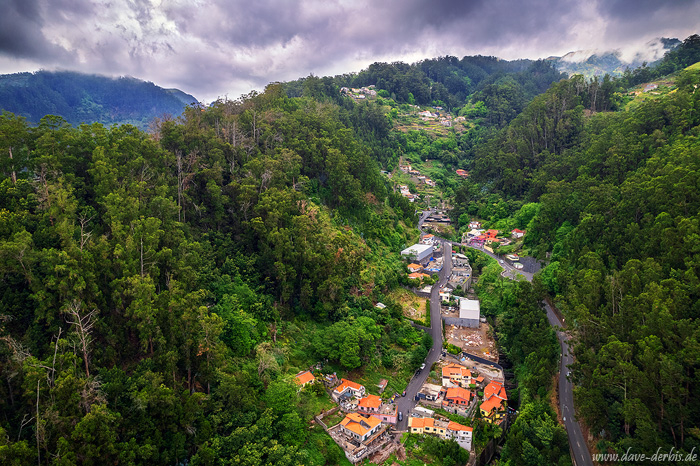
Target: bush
[453,349]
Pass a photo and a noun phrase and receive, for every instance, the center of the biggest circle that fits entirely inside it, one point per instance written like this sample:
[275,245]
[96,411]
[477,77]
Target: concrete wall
[471,323]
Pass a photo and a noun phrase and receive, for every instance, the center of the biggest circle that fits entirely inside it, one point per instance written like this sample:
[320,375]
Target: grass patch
[414,307]
[334,418]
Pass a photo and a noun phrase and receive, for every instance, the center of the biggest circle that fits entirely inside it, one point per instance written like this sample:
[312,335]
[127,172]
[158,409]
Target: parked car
[400,416]
[404,393]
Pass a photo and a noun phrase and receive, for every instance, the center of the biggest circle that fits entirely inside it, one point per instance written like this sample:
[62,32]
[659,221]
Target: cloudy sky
[212,48]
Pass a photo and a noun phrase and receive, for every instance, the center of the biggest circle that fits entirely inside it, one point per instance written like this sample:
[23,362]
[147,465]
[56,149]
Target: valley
[358,269]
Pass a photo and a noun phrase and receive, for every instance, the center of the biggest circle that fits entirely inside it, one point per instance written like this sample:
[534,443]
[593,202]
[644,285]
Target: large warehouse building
[419,252]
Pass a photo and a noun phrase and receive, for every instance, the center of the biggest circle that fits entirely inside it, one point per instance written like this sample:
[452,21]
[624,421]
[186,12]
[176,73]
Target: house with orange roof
[457,396]
[372,405]
[462,173]
[427,425]
[495,399]
[413,268]
[348,389]
[359,427]
[304,378]
[427,239]
[462,434]
[491,233]
[454,374]
[516,233]
[495,388]
[443,429]
[369,404]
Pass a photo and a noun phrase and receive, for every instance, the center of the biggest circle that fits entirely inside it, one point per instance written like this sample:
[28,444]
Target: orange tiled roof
[358,424]
[495,388]
[415,266]
[458,392]
[416,422]
[370,401]
[418,275]
[304,378]
[452,370]
[422,422]
[347,383]
[455,427]
[491,404]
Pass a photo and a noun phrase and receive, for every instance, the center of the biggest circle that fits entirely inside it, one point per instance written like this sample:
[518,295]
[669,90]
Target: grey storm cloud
[20,30]
[215,47]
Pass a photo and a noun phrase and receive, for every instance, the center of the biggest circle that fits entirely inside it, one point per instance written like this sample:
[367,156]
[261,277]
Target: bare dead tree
[184,176]
[83,323]
[84,235]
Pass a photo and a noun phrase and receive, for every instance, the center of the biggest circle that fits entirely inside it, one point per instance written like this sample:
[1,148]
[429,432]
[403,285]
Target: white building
[419,252]
[469,314]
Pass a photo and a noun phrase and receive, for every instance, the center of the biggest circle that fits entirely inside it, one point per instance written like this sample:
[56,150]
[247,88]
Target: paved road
[405,404]
[580,454]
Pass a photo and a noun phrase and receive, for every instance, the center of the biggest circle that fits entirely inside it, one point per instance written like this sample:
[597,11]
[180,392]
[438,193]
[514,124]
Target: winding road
[405,404]
[579,450]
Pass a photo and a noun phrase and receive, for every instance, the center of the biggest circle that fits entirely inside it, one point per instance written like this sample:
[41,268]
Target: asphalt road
[580,454]
[405,404]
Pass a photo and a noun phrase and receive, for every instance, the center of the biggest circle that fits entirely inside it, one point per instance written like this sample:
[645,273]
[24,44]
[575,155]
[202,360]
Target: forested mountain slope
[157,291]
[83,98]
[614,198]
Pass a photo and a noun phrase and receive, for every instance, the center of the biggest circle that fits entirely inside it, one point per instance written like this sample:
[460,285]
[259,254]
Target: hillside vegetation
[158,291]
[611,199]
[82,98]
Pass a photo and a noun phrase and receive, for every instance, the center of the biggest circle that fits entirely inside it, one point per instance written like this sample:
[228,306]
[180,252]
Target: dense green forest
[159,289]
[611,200]
[83,98]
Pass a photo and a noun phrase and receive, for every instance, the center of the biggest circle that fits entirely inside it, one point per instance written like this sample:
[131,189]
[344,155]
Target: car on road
[404,393]
[422,366]
[400,416]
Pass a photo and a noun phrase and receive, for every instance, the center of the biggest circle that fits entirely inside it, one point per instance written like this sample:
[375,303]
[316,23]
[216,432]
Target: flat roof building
[469,314]
[419,252]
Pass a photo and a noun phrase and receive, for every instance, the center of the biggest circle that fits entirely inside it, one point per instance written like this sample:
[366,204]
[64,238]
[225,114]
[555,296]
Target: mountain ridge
[87,98]
[596,62]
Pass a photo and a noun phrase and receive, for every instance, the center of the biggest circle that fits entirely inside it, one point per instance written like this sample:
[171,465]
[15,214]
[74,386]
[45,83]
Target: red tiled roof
[495,388]
[452,370]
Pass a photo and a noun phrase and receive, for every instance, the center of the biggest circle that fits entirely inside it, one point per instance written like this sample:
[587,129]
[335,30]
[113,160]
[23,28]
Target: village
[367,422]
